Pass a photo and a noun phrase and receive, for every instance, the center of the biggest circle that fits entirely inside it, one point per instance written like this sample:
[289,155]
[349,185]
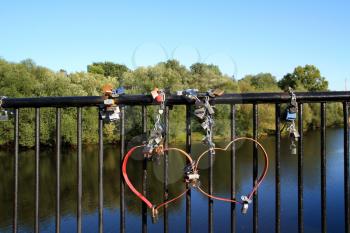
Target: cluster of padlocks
[110,111]
[290,117]
[154,147]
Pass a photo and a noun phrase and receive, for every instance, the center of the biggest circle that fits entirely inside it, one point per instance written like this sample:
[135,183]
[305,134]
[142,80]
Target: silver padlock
[158,139]
[108,101]
[295,134]
[209,108]
[114,116]
[205,125]
[245,205]
[154,215]
[200,113]
[293,149]
[4,116]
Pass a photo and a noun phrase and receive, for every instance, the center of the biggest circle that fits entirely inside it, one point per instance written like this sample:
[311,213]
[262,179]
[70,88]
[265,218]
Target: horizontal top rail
[234,98]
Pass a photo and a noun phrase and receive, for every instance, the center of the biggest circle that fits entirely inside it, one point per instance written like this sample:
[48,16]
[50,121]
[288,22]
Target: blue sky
[242,37]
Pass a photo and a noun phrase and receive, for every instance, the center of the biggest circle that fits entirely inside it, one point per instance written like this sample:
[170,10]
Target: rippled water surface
[312,211]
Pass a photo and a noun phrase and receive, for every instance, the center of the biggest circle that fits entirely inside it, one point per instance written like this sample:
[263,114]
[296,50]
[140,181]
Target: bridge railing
[254,99]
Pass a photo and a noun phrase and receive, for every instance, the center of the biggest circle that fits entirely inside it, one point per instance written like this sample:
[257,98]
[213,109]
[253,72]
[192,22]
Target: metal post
[300,171]
[277,170]
[346,167]
[166,167]
[144,177]
[79,169]
[233,168]
[122,184]
[15,175]
[58,170]
[188,150]
[100,175]
[37,169]
[255,167]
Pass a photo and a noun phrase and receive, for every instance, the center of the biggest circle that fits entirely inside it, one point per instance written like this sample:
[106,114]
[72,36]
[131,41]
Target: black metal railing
[143,100]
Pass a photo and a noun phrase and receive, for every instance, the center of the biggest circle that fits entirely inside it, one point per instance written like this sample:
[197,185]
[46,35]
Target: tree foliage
[304,78]
[26,79]
[107,69]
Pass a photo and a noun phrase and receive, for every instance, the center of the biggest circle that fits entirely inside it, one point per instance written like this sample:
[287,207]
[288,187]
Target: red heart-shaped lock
[140,195]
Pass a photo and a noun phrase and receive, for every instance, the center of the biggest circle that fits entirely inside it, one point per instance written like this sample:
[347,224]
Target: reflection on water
[111,171]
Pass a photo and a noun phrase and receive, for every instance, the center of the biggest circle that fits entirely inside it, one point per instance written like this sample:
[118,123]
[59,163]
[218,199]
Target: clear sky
[242,37]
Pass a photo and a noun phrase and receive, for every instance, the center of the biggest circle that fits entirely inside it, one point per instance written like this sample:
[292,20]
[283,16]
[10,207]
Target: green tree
[304,78]
[261,82]
[107,69]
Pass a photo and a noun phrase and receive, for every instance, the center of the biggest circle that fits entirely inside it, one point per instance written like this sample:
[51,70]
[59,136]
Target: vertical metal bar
[210,191]
[323,168]
[255,167]
[346,167]
[58,170]
[166,165]
[122,184]
[277,169]
[100,175]
[79,169]
[300,171]
[233,168]
[15,175]
[144,177]
[37,169]
[188,150]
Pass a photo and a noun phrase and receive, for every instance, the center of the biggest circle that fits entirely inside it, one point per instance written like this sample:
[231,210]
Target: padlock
[210,93]
[212,150]
[205,125]
[114,116]
[147,150]
[158,139]
[295,135]
[4,116]
[293,149]
[154,93]
[159,150]
[245,205]
[200,113]
[209,108]
[218,92]
[189,168]
[117,92]
[291,116]
[179,93]
[159,98]
[102,115]
[108,101]
[193,176]
[154,215]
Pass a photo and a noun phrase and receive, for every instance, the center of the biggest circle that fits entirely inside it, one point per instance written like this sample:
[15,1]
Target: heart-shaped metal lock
[245,199]
[153,207]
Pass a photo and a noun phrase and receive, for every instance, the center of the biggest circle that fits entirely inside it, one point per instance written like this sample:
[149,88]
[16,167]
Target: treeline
[26,79]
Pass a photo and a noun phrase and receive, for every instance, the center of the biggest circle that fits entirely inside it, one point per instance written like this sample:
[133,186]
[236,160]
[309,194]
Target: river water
[289,207]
